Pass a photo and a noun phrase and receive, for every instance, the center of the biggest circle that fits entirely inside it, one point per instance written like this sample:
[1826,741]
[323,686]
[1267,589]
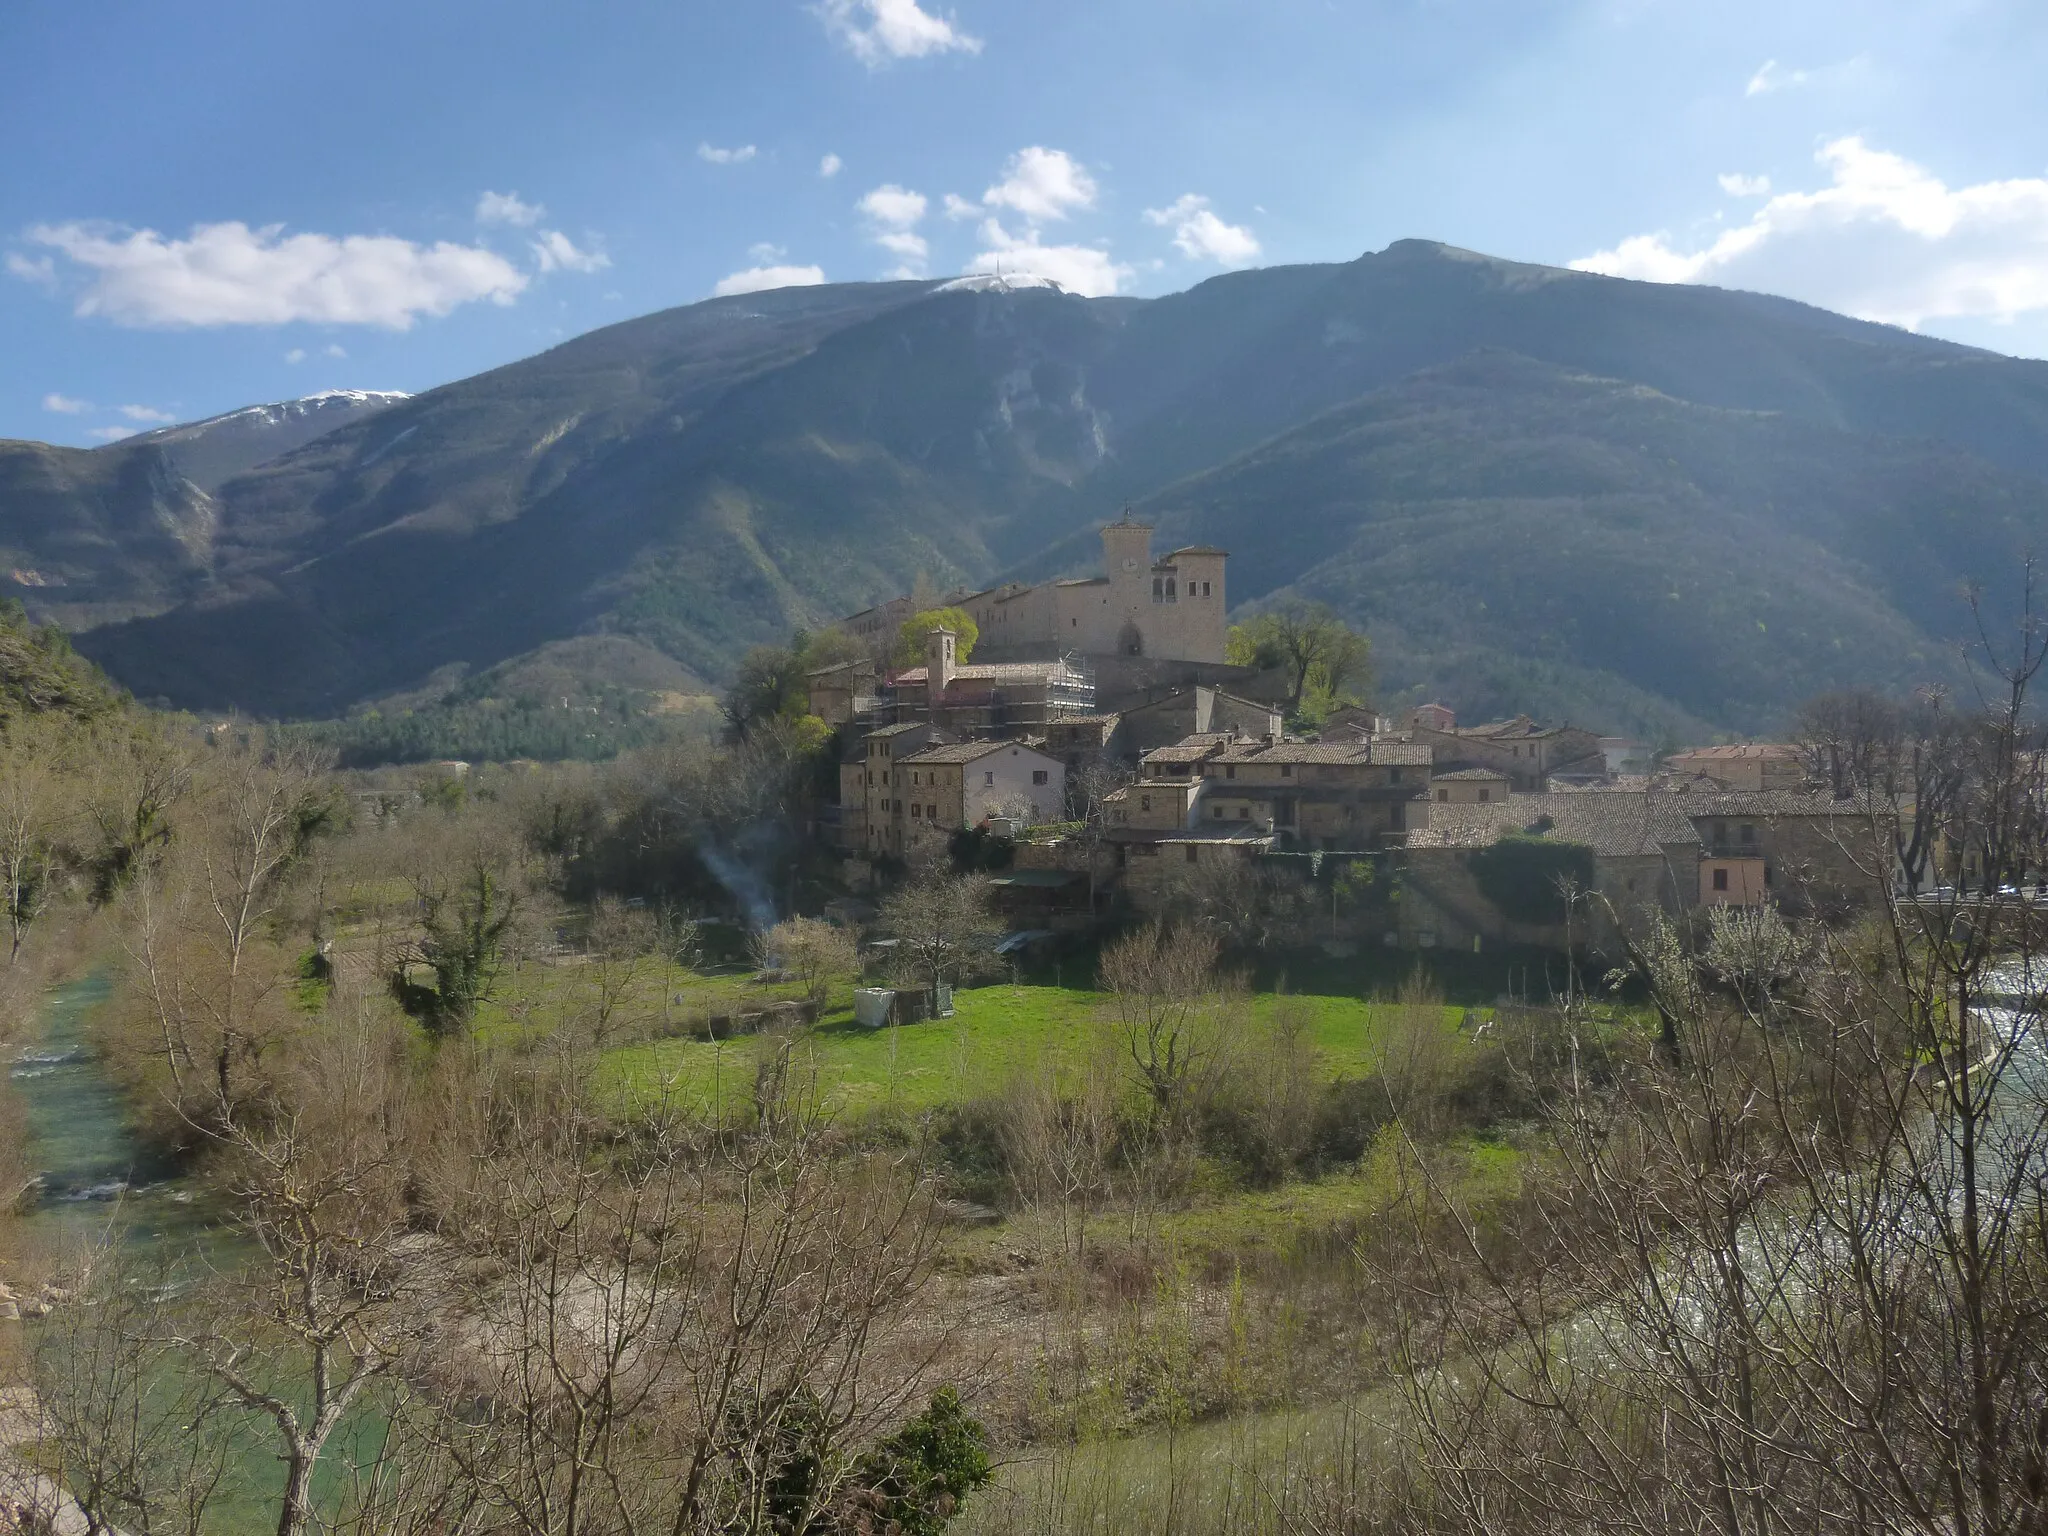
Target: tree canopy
[1328,664]
[910,638]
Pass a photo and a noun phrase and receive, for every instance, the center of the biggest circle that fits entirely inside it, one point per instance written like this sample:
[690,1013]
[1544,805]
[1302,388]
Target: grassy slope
[997,1034]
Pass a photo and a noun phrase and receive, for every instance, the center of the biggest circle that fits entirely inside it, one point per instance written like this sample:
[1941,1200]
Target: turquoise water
[102,1183]
[99,1180]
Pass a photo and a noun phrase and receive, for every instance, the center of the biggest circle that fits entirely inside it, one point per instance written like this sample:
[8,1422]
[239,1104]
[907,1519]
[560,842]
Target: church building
[1169,609]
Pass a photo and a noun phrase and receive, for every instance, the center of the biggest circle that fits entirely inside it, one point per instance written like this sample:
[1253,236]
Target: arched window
[1169,589]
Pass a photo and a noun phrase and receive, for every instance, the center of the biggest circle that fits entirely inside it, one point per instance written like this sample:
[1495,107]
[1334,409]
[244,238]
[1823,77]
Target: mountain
[208,453]
[1515,535]
[709,477]
[88,535]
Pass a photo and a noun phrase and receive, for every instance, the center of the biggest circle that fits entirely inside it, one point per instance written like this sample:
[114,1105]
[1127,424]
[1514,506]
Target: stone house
[1309,795]
[873,780]
[840,694]
[942,789]
[1751,767]
[1195,710]
[1528,753]
[1468,786]
[1081,739]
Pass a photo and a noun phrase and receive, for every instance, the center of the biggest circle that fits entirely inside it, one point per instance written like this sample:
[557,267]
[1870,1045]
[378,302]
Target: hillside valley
[1642,506]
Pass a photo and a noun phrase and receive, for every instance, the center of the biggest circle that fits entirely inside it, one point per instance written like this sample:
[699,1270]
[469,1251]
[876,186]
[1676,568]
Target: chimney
[939,649]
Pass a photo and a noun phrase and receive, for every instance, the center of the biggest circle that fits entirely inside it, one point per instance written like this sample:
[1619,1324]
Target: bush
[1524,875]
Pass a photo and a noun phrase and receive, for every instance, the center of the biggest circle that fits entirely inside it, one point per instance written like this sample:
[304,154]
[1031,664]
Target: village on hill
[1099,729]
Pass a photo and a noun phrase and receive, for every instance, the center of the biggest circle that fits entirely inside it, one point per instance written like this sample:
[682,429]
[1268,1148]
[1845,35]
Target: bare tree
[1165,986]
[940,924]
[817,953]
[1788,1277]
[688,1343]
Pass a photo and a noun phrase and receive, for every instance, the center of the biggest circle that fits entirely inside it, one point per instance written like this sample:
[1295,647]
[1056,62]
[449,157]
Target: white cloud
[1773,76]
[958,207]
[894,207]
[296,355]
[1042,184]
[711,154]
[42,270]
[336,349]
[893,214]
[830,166]
[1079,269]
[506,208]
[878,31]
[911,247]
[555,251]
[1735,184]
[1200,235]
[112,434]
[64,405]
[230,274]
[1886,241]
[758,279]
[766,254]
[148,413]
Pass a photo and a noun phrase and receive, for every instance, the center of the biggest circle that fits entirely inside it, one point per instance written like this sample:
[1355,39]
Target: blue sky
[210,204]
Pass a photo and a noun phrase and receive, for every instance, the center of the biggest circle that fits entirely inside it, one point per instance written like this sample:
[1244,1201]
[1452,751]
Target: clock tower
[1127,558]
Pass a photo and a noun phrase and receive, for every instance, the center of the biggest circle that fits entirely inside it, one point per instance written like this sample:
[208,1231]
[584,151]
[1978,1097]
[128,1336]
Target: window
[1485,794]
[1287,770]
[916,809]
[1720,879]
[931,813]
[1205,589]
[914,779]
[1748,833]
[1244,813]
[1230,770]
[1158,589]
[1144,802]
[1040,775]
[1169,589]
[1216,813]
[899,807]
[1394,777]
[1194,853]
[1443,794]
[988,778]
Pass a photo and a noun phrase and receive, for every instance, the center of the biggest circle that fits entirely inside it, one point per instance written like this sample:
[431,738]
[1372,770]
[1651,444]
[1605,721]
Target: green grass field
[996,1033]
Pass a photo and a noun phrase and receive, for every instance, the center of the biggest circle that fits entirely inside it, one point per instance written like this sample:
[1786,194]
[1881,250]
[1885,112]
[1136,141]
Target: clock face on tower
[1130,563]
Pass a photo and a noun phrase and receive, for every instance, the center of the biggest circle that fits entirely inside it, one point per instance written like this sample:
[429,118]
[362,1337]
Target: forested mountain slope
[705,478]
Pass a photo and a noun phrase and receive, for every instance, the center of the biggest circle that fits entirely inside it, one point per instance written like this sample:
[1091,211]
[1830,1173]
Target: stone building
[1754,767]
[1171,608]
[1001,698]
[1528,753]
[1306,795]
[1653,849]
[936,792]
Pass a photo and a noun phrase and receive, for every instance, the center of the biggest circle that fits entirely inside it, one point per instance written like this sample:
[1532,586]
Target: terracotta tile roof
[1362,753]
[1469,776]
[966,752]
[1742,752]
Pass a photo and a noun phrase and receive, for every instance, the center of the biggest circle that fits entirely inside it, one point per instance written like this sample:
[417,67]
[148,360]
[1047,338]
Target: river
[98,1177]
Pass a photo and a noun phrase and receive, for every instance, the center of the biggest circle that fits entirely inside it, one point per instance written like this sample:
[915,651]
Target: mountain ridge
[709,477]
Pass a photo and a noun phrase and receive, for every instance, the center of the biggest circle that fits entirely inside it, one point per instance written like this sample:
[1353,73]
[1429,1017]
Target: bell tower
[1127,554]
